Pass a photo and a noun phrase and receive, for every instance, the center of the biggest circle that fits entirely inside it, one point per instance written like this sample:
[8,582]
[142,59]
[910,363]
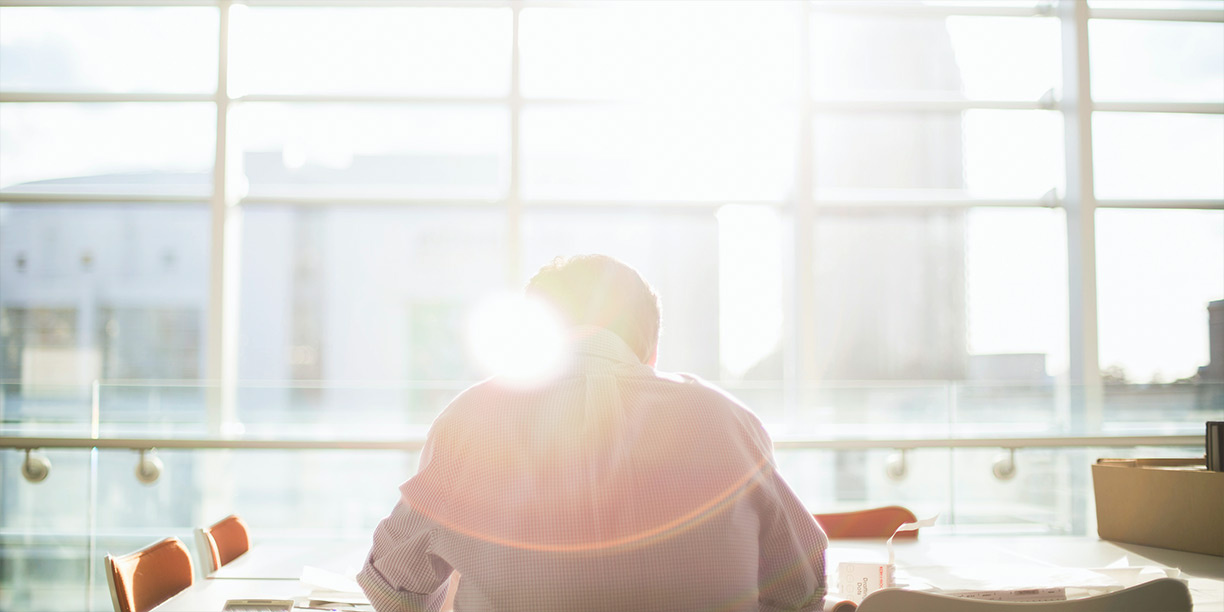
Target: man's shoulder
[493,396]
[675,390]
[475,398]
[692,383]
[705,393]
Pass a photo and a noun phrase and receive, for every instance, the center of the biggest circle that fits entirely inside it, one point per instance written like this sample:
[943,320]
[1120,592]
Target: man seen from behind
[611,486]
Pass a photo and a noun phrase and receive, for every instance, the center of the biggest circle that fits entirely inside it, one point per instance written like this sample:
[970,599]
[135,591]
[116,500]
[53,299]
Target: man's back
[613,487]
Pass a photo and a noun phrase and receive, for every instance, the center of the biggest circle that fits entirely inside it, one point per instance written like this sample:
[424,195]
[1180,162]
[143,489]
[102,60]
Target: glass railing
[323,460]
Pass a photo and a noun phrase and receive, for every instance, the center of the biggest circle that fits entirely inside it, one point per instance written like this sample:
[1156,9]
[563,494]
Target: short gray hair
[603,291]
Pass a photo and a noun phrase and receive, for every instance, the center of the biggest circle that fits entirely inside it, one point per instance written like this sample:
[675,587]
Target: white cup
[858,580]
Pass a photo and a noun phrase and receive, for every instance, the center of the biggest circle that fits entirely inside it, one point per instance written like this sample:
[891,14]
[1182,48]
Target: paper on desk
[997,577]
[322,579]
[332,588]
[338,597]
[914,526]
[1129,575]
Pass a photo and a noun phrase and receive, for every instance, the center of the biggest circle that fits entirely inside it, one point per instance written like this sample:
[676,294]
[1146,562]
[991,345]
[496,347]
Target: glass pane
[44,534]
[364,294]
[941,295]
[407,51]
[1157,61]
[1211,5]
[101,291]
[379,150]
[391,409]
[1042,498]
[635,153]
[754,269]
[952,5]
[845,480]
[1157,272]
[982,153]
[271,490]
[1016,294]
[1139,408]
[719,51]
[107,148]
[168,50]
[1010,394]
[52,534]
[675,251]
[155,407]
[277,499]
[973,57]
[890,297]
[1158,155]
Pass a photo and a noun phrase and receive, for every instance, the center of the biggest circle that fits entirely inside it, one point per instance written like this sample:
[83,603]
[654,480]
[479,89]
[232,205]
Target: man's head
[600,290]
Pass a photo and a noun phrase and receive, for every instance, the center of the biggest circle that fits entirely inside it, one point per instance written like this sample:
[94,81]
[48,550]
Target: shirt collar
[594,341]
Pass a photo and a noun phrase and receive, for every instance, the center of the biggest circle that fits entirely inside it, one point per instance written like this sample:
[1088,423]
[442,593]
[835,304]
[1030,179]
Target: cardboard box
[1169,503]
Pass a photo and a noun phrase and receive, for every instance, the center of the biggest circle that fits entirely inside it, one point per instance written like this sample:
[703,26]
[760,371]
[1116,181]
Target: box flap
[1186,462]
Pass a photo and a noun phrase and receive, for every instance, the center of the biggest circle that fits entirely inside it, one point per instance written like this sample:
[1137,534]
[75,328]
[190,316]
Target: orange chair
[224,541]
[144,579]
[872,523]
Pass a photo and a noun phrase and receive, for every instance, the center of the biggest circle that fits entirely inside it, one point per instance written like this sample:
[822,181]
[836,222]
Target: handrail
[415,444]
[999,442]
[411,444]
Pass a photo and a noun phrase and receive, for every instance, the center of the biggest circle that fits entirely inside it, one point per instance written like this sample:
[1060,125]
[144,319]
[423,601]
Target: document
[333,591]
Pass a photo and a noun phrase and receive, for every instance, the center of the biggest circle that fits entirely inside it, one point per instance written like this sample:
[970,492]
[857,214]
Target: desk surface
[269,569]
[210,595]
[967,559]
[284,561]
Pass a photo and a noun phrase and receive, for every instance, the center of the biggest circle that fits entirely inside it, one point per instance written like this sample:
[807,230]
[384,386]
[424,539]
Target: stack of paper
[1037,594]
[332,591]
[1021,582]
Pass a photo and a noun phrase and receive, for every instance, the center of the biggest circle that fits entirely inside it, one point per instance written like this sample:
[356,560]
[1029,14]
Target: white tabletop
[284,561]
[211,595]
[269,570]
[978,562]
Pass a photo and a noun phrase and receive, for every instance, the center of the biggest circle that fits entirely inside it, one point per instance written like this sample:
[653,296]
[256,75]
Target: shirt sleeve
[402,573]
[791,570]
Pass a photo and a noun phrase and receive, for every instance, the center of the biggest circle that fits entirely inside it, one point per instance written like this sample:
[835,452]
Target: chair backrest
[1165,594]
[144,579]
[871,523]
[222,542]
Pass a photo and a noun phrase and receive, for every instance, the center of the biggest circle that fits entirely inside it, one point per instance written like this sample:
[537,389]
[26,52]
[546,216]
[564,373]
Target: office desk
[284,561]
[931,558]
[210,595]
[927,556]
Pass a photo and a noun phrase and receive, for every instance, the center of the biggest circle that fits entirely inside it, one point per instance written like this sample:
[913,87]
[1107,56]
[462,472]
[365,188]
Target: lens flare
[518,339]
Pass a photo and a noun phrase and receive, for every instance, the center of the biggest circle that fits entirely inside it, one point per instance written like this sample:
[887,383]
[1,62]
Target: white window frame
[1079,202]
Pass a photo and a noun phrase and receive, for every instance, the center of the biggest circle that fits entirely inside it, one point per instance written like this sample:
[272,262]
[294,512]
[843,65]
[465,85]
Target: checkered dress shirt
[614,487]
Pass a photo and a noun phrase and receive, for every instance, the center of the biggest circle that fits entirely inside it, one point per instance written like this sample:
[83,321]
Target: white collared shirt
[613,487]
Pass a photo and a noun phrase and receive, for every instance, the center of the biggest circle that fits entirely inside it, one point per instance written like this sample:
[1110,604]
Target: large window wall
[900,172]
[865,219]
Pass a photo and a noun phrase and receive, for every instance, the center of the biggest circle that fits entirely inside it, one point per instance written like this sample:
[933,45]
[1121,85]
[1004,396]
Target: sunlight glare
[750,286]
[518,339]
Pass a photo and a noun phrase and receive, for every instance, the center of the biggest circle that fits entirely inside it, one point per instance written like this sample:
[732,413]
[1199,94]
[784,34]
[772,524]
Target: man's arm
[791,570]
[402,573]
[792,553]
